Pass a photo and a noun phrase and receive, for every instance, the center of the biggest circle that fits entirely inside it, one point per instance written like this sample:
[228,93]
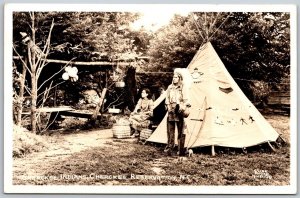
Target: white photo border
[9,188]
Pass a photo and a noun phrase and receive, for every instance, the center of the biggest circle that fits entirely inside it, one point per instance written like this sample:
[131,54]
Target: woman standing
[143,111]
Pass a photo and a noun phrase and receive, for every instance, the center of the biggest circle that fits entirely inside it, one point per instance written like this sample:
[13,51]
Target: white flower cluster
[70,73]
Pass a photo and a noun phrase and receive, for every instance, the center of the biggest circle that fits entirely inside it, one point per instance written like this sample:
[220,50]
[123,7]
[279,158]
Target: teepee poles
[206,25]
[198,28]
[213,23]
[219,26]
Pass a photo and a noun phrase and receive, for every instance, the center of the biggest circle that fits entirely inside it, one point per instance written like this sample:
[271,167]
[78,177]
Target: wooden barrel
[145,134]
[121,131]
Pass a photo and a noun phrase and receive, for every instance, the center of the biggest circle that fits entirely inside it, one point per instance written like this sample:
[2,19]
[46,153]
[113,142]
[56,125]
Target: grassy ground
[125,162]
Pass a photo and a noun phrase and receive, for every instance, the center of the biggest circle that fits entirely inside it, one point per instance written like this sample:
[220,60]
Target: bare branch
[113,102]
[29,25]
[39,70]
[46,94]
[23,62]
[28,90]
[30,59]
[48,125]
[52,87]
[54,74]
[31,15]
[118,103]
[27,87]
[46,49]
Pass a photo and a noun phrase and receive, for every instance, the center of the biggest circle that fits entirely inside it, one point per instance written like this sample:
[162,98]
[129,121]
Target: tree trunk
[130,82]
[21,94]
[32,56]
[98,107]
[33,93]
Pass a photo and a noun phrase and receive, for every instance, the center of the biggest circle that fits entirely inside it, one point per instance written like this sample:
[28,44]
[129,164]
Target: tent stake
[244,149]
[282,140]
[273,149]
[213,153]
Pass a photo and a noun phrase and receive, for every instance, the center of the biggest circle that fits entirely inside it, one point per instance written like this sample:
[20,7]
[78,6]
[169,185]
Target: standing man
[176,102]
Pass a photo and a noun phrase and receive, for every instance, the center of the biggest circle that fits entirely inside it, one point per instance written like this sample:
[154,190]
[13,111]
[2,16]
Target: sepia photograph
[150,99]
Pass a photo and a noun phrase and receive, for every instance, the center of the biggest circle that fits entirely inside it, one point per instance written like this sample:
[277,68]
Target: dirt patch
[77,142]
[61,147]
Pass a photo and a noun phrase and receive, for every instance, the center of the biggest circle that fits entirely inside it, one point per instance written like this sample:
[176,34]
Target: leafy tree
[174,45]
[84,36]
[249,42]
[255,49]
[32,61]
[253,46]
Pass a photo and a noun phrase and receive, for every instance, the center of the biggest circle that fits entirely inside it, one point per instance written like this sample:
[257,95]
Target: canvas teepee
[221,115]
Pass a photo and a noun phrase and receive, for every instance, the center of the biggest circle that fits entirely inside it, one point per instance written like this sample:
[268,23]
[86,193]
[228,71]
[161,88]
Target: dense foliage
[254,47]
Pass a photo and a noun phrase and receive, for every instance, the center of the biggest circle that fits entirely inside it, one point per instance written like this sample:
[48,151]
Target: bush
[260,91]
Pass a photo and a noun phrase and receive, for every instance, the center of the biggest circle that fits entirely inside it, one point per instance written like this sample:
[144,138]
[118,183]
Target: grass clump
[25,142]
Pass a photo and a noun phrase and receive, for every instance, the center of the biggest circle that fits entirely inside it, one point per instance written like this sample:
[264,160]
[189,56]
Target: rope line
[242,79]
[271,82]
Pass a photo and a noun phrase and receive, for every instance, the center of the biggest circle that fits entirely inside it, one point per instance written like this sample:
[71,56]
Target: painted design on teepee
[243,121]
[251,119]
[226,90]
[196,75]
[231,122]
[219,121]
